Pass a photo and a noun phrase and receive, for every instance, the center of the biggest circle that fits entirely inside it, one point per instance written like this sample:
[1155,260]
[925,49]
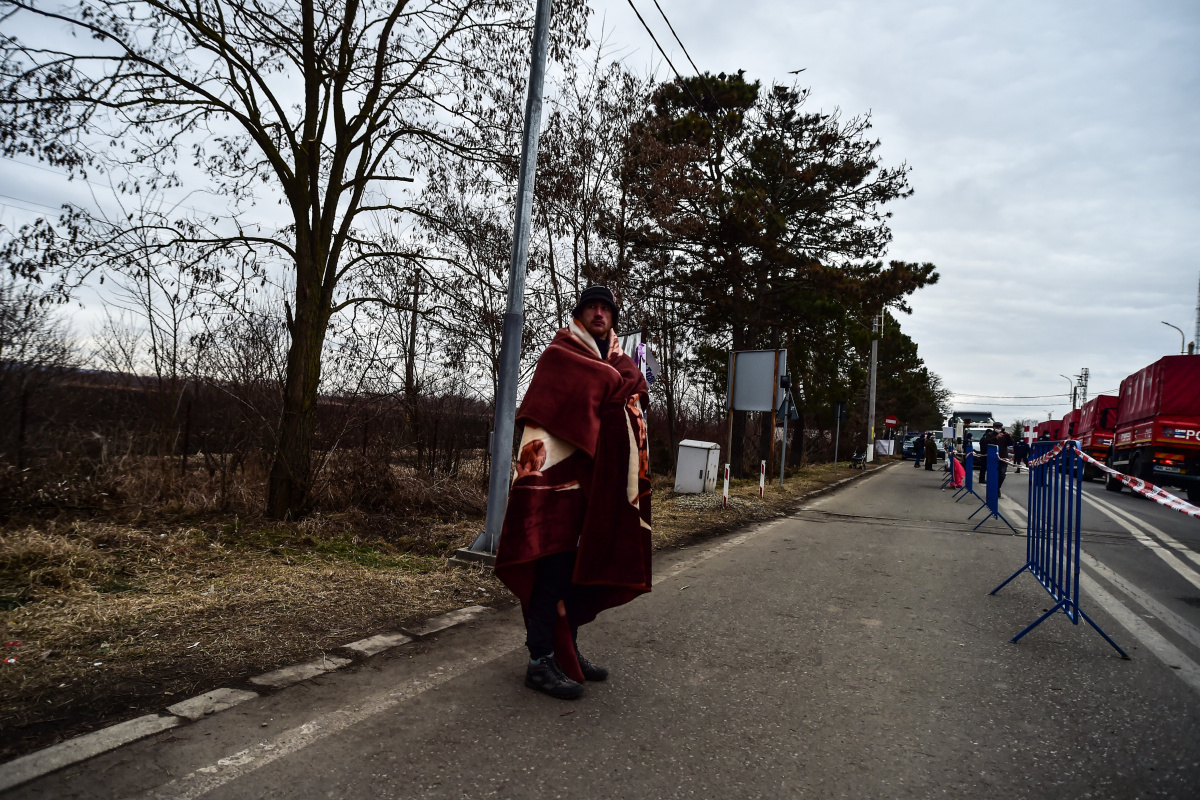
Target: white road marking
[1151,639]
[1166,539]
[1168,617]
[1012,507]
[1173,561]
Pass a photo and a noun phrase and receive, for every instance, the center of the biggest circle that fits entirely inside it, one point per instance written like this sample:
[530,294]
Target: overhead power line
[735,160]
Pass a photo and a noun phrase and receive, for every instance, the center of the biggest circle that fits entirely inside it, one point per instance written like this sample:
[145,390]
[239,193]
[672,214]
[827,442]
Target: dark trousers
[1001,471]
[552,583]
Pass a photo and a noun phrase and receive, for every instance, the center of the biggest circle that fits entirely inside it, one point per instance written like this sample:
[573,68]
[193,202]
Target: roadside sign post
[762,477]
[725,491]
[787,410]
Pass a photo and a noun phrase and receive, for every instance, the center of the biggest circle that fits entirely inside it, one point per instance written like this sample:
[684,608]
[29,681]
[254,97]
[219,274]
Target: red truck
[1052,427]
[1157,435]
[1094,430]
[1068,424]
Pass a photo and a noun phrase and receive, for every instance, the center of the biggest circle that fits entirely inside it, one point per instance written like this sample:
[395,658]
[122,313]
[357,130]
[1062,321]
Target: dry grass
[115,620]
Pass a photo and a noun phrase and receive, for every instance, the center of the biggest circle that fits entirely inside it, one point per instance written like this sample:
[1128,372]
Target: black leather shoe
[591,672]
[547,676]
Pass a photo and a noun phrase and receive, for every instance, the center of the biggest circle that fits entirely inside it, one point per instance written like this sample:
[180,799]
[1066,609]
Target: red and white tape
[1045,457]
[1160,496]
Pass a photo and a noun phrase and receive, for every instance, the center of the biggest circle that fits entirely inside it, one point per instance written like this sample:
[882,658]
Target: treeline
[365,317]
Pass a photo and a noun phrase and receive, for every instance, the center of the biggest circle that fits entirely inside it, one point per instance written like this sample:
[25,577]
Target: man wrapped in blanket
[576,537]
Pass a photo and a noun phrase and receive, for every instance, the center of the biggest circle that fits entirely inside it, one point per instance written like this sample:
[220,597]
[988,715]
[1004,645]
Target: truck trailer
[1094,430]
[1052,427]
[1157,431]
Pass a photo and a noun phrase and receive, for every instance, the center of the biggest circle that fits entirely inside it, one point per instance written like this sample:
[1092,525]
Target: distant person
[1004,444]
[930,452]
[1021,454]
[918,450]
[1045,437]
[988,438]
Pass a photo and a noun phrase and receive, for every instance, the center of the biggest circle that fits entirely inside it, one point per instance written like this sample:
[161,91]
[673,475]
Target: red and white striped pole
[762,478]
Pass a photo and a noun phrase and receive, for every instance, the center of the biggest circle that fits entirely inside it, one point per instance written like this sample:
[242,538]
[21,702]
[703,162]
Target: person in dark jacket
[1004,444]
[988,438]
[918,450]
[930,452]
[1021,454]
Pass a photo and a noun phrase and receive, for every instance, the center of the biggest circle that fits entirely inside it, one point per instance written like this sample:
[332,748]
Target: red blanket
[582,480]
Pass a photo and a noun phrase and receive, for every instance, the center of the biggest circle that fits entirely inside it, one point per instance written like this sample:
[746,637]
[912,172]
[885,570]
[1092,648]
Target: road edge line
[1152,640]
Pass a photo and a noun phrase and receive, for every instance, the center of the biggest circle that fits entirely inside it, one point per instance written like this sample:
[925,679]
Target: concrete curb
[81,748]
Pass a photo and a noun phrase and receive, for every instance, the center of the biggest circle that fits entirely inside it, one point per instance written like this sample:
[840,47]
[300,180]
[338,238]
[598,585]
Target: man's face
[596,318]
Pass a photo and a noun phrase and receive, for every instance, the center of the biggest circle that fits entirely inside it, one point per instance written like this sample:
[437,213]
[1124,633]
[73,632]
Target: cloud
[1053,158]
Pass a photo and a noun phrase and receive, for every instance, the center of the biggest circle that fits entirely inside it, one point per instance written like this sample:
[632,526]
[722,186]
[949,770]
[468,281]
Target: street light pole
[1182,337]
[1071,381]
[510,344]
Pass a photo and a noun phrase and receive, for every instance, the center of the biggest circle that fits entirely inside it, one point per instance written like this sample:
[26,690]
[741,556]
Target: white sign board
[753,377]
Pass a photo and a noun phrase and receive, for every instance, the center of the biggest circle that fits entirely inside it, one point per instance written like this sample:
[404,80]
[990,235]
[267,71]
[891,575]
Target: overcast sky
[1054,153]
[1055,149]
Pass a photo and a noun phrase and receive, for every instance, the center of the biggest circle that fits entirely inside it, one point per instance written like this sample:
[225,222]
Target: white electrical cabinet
[698,466]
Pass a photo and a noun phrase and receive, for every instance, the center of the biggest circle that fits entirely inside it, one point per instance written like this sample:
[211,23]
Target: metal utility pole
[871,395]
[510,344]
[839,408]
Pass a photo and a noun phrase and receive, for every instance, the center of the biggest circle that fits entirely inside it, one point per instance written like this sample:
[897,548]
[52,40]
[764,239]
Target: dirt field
[105,622]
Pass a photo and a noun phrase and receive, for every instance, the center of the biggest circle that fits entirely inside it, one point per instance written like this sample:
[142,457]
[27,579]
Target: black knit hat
[601,293]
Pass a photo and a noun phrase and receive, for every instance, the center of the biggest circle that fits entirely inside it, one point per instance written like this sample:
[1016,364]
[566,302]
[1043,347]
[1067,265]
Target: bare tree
[331,105]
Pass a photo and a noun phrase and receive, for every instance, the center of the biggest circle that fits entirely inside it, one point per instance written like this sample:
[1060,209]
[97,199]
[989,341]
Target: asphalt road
[849,650]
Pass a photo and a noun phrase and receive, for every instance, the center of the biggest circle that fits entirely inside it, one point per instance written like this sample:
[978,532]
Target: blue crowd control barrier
[968,487]
[991,499]
[1052,532]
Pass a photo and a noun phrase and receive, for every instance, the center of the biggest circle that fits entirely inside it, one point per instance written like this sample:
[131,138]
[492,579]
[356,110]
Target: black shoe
[547,676]
[591,672]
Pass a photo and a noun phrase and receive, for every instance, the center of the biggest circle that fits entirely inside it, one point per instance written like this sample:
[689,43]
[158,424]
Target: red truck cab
[1157,432]
[1052,427]
[1094,430]
[1069,422]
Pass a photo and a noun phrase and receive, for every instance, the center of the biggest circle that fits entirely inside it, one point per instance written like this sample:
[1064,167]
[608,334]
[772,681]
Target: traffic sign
[890,421]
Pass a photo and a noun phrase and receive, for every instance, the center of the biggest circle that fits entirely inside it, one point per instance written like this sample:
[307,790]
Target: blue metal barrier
[991,500]
[1052,533]
[968,487]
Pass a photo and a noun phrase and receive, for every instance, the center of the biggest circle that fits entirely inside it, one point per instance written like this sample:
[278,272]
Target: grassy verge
[106,621]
